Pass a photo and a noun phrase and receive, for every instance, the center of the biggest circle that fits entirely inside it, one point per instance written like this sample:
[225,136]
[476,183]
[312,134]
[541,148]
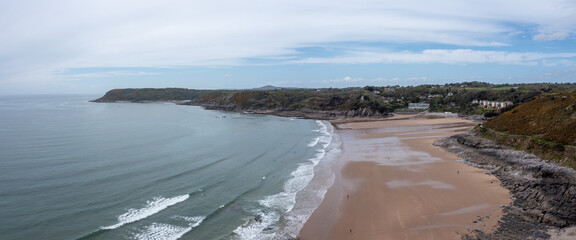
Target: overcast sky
[88,46]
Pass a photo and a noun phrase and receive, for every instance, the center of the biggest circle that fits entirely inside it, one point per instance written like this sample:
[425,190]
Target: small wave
[285,200]
[279,204]
[322,125]
[152,207]
[318,156]
[313,142]
[162,231]
[255,228]
[275,206]
[275,210]
[326,138]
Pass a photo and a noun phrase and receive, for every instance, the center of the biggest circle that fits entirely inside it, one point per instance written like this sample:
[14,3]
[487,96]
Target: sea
[74,169]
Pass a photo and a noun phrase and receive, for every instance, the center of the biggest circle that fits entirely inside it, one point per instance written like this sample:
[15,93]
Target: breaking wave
[163,231]
[152,207]
[275,217]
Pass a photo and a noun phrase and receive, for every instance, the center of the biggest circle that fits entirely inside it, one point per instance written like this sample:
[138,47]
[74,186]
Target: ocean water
[71,169]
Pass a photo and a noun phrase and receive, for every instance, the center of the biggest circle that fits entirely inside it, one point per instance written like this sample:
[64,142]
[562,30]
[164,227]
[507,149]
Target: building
[418,106]
[494,104]
[389,89]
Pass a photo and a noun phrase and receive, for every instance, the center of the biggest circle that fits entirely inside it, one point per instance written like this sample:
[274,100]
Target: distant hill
[545,126]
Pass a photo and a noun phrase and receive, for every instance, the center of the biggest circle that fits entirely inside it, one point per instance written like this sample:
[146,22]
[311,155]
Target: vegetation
[272,99]
[545,126]
[459,97]
[151,94]
[371,100]
[550,117]
[298,99]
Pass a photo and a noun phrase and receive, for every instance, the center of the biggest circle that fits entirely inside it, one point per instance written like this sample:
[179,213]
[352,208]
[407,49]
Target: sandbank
[395,184]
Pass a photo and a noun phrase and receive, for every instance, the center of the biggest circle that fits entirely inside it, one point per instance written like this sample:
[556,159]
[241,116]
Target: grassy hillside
[550,117]
[545,126]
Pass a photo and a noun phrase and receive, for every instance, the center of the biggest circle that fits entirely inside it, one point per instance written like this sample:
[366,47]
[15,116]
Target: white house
[418,106]
[494,104]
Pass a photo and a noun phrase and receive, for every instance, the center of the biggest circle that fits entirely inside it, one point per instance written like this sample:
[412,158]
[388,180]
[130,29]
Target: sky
[89,47]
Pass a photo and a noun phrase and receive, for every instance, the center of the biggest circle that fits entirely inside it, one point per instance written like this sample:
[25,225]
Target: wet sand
[394,184]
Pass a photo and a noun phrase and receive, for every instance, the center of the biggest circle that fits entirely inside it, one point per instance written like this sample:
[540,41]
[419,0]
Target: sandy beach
[393,183]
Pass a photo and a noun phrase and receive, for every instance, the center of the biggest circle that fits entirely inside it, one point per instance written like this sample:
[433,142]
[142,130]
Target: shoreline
[392,183]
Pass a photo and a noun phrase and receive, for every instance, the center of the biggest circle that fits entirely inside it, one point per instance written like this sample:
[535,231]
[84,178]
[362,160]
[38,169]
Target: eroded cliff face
[544,194]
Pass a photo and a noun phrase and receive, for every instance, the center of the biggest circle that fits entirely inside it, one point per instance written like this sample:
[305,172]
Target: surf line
[152,207]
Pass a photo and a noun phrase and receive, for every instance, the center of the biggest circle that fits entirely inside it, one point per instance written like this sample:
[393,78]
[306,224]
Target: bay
[72,169]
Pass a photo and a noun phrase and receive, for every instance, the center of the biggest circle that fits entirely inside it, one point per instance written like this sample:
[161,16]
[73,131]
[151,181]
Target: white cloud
[551,37]
[49,36]
[457,56]
[346,80]
[110,74]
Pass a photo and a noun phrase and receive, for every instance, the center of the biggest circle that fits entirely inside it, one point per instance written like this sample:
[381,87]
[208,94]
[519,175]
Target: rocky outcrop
[544,194]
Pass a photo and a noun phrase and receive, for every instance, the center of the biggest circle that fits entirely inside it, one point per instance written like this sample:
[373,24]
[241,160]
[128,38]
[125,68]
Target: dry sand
[394,184]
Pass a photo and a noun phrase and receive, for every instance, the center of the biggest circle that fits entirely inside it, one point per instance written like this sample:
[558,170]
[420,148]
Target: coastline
[544,193]
[392,183]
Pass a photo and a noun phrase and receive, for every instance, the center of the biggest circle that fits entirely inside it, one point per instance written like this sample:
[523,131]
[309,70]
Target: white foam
[192,221]
[254,230]
[313,142]
[323,127]
[152,207]
[162,231]
[310,197]
[283,203]
[325,138]
[285,200]
[318,156]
